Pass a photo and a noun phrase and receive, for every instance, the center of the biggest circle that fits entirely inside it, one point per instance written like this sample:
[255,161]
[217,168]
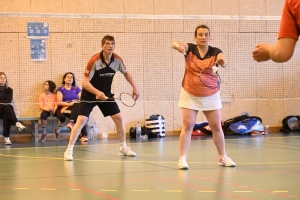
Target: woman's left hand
[221,62]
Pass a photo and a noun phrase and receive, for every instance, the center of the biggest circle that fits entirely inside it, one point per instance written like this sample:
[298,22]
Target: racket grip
[215,69]
[98,98]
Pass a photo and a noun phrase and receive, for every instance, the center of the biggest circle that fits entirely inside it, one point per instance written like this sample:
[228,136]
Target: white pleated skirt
[192,102]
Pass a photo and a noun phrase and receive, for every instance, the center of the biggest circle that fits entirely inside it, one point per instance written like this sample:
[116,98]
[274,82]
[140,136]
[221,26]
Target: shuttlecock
[215,69]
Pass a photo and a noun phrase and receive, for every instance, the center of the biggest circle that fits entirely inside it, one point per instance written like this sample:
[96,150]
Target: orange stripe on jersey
[91,64]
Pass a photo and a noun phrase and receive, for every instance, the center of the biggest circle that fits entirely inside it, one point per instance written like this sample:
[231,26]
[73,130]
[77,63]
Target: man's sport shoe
[68,155]
[126,152]
[182,164]
[20,126]
[226,161]
[7,141]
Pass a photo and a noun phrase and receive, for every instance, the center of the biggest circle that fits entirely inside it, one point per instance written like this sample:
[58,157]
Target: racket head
[127,99]
[209,78]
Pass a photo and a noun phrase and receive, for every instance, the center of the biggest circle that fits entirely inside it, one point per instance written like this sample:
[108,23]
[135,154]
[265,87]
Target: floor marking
[281,191]
[48,189]
[175,141]
[140,190]
[75,189]
[243,191]
[21,188]
[108,190]
[173,190]
[207,191]
[144,161]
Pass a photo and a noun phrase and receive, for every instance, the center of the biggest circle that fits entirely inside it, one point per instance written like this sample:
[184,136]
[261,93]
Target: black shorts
[107,108]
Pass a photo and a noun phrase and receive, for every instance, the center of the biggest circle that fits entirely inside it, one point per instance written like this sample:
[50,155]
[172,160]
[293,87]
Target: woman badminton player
[201,92]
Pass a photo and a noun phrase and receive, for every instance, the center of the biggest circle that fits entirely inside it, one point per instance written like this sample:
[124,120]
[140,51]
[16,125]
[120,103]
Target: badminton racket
[126,98]
[209,77]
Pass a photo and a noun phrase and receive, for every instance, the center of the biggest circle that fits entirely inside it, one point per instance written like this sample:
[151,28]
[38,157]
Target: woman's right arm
[182,47]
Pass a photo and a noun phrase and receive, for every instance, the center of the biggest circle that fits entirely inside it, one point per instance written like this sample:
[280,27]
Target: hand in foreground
[262,52]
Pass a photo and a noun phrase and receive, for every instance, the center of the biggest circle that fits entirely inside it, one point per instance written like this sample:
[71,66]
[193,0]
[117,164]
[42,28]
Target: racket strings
[207,71]
[127,99]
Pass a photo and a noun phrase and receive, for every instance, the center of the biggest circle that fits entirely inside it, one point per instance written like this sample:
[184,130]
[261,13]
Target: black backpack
[291,123]
[145,131]
[228,122]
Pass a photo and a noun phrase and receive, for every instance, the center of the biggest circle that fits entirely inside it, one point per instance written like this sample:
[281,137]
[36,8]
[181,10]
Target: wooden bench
[34,125]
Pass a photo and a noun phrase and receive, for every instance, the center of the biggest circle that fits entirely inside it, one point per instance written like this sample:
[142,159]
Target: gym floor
[268,167]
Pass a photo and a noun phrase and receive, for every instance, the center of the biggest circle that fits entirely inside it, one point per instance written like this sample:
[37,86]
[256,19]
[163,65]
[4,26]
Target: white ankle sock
[123,144]
[70,147]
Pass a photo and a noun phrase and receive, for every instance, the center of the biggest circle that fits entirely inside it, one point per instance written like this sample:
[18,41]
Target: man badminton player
[288,35]
[201,92]
[97,81]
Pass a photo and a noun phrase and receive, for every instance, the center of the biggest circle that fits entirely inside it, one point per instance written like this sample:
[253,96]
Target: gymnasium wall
[144,32]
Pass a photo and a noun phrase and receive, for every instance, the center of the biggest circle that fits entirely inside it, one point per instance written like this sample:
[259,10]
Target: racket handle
[98,98]
[215,69]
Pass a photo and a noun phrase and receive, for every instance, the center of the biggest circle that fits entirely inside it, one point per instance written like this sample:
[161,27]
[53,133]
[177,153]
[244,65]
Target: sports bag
[145,131]
[246,126]
[226,124]
[291,123]
[156,125]
[202,127]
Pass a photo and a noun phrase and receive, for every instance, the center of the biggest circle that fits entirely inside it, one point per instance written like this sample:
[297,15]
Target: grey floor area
[268,167]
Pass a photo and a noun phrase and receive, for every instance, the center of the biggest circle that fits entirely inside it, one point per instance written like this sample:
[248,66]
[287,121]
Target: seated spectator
[7,112]
[48,104]
[68,96]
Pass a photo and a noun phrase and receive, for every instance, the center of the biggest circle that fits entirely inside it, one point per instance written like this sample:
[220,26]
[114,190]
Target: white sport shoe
[7,141]
[226,161]
[20,126]
[126,152]
[68,155]
[182,164]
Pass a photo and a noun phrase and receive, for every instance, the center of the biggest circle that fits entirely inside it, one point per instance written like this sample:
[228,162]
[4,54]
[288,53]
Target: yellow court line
[21,188]
[243,191]
[75,189]
[48,189]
